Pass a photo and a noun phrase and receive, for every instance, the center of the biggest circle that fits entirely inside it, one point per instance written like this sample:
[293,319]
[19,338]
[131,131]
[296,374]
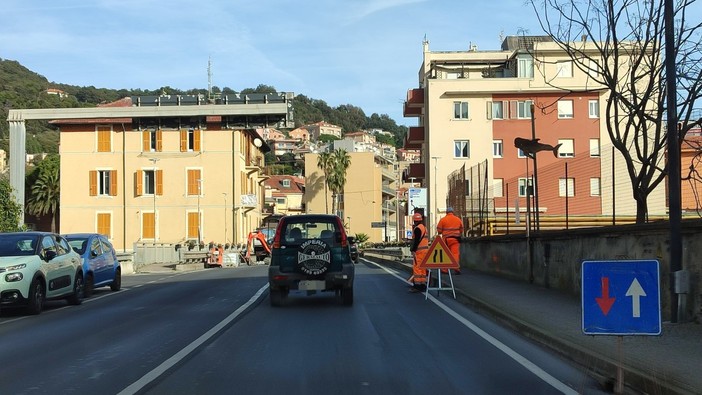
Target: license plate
[311,285]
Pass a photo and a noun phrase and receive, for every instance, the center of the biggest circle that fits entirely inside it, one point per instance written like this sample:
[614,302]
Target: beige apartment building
[369,198]
[471,105]
[166,178]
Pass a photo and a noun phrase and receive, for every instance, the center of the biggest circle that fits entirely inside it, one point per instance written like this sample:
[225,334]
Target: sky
[366,53]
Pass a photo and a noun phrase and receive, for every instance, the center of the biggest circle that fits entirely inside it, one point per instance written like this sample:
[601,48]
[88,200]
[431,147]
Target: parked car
[353,248]
[99,260]
[310,252]
[36,266]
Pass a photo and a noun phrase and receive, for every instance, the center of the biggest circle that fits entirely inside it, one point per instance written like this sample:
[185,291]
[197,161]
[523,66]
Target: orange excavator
[257,246]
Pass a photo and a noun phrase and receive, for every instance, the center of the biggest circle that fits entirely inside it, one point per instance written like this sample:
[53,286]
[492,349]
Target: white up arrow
[636,292]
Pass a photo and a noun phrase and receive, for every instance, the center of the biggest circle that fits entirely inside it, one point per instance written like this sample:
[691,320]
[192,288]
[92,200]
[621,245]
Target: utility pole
[225,217]
[436,193]
[199,220]
[153,161]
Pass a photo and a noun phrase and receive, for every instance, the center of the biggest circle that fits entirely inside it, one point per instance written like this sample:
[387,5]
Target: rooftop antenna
[209,79]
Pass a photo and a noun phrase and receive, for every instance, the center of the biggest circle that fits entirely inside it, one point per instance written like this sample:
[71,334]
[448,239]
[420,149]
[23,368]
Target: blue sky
[361,52]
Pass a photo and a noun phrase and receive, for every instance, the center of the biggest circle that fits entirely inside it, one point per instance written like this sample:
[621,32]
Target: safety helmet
[417,217]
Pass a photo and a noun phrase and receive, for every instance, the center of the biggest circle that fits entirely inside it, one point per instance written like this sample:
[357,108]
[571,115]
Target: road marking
[180,355]
[530,366]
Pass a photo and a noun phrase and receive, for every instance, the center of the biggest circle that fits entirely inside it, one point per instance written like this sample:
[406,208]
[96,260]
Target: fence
[589,188]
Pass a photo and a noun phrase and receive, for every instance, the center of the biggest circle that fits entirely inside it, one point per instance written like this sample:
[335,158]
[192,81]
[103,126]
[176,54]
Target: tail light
[276,238]
[344,240]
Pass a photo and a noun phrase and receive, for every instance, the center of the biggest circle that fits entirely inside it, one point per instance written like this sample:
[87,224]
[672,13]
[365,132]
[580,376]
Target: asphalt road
[214,332]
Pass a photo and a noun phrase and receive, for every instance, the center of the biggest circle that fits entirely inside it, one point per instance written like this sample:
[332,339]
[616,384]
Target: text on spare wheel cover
[313,257]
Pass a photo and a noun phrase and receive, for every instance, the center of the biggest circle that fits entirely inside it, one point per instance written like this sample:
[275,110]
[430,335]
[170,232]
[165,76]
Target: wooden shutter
[104,139]
[193,220]
[113,182]
[93,182]
[513,109]
[145,141]
[159,140]
[148,229]
[196,140]
[139,183]
[489,109]
[104,224]
[183,140]
[159,182]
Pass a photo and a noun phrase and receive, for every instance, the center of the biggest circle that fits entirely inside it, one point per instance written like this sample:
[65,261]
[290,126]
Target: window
[524,109]
[280,201]
[103,182]
[594,148]
[523,184]
[496,109]
[595,186]
[497,187]
[104,139]
[565,109]
[461,149]
[469,188]
[460,110]
[567,148]
[286,183]
[152,140]
[594,108]
[104,224]
[525,67]
[190,140]
[520,153]
[564,69]
[566,187]
[453,75]
[497,148]
[194,182]
[148,182]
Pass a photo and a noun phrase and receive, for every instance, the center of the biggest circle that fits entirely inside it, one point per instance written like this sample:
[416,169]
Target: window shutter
[159,140]
[196,140]
[145,141]
[93,182]
[103,224]
[489,109]
[183,140]
[513,109]
[113,182]
[505,109]
[159,182]
[138,182]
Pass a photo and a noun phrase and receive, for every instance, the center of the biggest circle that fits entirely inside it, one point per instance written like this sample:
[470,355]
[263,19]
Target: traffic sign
[439,256]
[621,298]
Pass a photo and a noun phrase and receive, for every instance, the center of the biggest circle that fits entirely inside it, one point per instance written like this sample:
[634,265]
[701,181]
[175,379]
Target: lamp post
[225,217]
[153,180]
[199,220]
[436,191]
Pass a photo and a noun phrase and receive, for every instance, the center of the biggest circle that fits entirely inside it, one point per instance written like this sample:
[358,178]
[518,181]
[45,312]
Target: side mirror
[49,255]
[93,254]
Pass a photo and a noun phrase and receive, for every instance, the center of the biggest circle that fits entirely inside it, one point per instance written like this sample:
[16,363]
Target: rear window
[298,230]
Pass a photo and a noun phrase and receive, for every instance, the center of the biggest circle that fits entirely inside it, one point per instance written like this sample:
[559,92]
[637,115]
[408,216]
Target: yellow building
[170,177]
[369,198]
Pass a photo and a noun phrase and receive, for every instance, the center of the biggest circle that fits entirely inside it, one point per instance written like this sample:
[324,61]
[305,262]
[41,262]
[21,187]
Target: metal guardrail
[391,253]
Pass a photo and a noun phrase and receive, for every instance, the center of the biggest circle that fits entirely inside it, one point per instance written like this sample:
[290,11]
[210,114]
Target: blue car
[100,265]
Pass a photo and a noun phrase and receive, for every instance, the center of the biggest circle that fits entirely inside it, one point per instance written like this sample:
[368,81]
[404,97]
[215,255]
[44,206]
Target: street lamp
[436,191]
[199,220]
[153,190]
[225,216]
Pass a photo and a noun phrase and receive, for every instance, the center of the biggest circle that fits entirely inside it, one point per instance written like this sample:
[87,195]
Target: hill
[23,88]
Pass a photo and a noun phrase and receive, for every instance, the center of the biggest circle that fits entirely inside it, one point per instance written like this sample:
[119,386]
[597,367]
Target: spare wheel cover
[314,257]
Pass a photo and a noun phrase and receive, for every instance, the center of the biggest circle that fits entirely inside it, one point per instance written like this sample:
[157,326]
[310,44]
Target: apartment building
[369,201]
[319,128]
[471,105]
[284,194]
[178,171]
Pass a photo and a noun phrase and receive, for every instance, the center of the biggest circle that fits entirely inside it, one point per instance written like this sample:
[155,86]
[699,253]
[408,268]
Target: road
[214,332]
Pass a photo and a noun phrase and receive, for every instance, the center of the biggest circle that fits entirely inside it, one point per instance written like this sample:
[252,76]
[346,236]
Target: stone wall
[558,256]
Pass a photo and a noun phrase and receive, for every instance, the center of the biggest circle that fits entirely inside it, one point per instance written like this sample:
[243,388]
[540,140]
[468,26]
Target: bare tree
[620,45]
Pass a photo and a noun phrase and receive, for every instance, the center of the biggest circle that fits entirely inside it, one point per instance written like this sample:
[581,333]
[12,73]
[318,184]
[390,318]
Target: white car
[37,266]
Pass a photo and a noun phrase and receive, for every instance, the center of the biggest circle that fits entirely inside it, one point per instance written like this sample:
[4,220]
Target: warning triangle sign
[439,256]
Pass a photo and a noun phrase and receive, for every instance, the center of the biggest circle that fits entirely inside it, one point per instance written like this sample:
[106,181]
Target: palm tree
[45,194]
[337,178]
[324,163]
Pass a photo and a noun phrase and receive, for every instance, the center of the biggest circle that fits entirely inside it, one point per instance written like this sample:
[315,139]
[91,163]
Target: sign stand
[439,257]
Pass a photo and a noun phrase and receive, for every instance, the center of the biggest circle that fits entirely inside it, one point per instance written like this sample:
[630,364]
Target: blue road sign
[621,298]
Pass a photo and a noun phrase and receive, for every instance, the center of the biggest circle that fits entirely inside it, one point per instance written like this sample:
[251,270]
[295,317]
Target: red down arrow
[605,301]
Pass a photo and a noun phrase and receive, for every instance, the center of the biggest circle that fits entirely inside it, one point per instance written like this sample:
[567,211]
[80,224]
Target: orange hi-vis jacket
[419,276]
[450,226]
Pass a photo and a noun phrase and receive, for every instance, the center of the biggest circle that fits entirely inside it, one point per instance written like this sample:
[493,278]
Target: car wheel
[277,297]
[347,296]
[314,257]
[89,286]
[76,297]
[117,282]
[36,297]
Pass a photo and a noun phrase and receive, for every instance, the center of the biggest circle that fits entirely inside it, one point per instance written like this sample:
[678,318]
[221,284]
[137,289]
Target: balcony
[414,106]
[414,138]
[414,171]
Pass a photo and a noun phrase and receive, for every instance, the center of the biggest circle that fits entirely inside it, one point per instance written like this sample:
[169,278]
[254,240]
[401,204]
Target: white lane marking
[530,366]
[180,355]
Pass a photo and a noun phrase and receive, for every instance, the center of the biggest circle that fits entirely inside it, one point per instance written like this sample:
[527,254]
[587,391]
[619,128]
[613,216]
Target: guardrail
[195,257]
[391,253]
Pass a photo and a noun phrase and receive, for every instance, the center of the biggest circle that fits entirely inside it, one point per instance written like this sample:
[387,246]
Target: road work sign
[621,298]
[439,256]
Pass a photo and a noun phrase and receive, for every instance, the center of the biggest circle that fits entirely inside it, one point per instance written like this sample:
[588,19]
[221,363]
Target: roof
[124,102]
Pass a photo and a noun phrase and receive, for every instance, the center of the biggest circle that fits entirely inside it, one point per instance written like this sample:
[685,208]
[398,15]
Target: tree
[324,163]
[45,193]
[10,211]
[341,160]
[620,45]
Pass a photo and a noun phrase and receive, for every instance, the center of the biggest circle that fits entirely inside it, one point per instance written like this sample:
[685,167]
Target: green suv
[310,253]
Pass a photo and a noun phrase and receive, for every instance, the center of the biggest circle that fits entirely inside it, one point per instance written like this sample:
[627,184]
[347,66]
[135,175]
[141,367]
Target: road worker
[450,228]
[419,248]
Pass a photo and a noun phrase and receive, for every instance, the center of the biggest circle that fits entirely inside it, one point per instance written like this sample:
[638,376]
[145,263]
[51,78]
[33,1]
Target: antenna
[209,78]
